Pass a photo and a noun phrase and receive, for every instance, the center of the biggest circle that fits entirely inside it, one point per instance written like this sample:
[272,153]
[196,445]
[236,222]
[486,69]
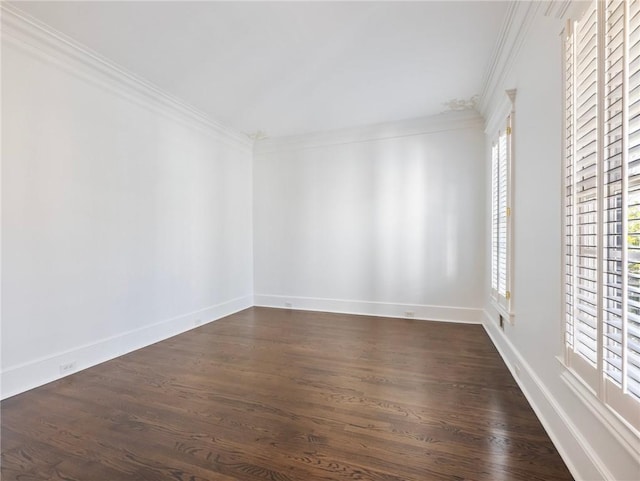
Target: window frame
[594,376]
[503,125]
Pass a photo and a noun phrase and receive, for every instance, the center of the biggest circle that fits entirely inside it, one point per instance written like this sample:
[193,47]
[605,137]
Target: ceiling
[294,67]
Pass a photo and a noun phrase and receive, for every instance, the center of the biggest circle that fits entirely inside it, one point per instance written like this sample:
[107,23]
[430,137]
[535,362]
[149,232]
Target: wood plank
[287,395]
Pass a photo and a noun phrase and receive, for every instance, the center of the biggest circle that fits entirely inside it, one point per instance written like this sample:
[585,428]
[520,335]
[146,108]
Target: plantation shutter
[569,93]
[585,173]
[602,203]
[631,333]
[502,213]
[494,217]
[614,186]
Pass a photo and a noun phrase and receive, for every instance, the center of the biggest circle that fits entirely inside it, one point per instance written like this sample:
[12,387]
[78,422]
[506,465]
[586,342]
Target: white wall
[592,442]
[125,218]
[378,220]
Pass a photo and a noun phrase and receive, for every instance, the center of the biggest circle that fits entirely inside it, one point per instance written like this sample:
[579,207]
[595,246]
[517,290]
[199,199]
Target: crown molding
[446,121]
[506,106]
[39,39]
[514,31]
[557,8]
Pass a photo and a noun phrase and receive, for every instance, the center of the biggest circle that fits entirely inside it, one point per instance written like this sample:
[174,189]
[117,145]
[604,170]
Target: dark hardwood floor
[280,395]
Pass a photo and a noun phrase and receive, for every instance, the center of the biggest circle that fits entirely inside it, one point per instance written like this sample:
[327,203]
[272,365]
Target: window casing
[501,156]
[602,203]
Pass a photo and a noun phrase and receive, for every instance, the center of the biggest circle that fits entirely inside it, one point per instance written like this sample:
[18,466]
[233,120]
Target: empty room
[320,241]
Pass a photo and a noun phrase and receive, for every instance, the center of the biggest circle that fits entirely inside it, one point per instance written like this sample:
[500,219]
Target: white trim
[22,377]
[558,12]
[511,184]
[372,308]
[600,191]
[510,316]
[496,122]
[557,8]
[514,32]
[537,395]
[563,172]
[620,429]
[576,9]
[505,113]
[38,39]
[596,375]
[1,237]
[574,448]
[498,56]
[447,121]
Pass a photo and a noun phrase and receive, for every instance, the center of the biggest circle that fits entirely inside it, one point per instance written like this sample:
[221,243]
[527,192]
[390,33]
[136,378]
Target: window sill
[505,313]
[625,434]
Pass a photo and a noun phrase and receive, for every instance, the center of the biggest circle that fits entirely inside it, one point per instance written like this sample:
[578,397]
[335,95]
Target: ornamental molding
[462,104]
[26,33]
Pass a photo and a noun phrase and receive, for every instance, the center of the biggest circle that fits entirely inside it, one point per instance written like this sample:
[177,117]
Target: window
[500,219]
[602,203]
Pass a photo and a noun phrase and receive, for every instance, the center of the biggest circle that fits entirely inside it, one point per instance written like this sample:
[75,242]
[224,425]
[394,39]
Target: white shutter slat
[602,202]
[494,216]
[569,187]
[582,156]
[500,219]
[586,182]
[613,298]
[630,329]
[502,214]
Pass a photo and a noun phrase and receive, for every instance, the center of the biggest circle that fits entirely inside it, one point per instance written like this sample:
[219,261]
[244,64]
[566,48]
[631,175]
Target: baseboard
[369,308]
[21,378]
[575,450]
